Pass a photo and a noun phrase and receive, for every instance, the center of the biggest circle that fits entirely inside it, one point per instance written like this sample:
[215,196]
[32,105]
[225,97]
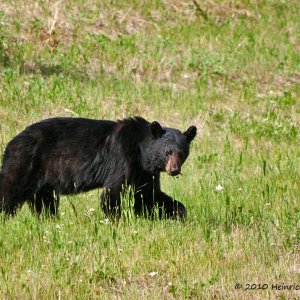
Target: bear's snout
[173,166]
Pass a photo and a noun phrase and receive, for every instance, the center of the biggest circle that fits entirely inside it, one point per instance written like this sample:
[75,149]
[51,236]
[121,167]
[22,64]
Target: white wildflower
[153,274]
[58,227]
[260,95]
[219,188]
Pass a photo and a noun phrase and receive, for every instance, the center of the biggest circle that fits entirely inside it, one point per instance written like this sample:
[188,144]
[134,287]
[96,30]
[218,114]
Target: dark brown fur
[64,156]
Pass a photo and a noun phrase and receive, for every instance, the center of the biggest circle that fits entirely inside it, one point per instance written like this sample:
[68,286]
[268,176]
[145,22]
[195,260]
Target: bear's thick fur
[62,156]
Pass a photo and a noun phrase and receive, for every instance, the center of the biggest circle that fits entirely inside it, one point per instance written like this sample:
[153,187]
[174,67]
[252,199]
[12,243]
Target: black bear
[62,156]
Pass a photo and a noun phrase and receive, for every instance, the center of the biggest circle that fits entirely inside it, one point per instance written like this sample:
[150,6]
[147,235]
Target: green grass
[236,76]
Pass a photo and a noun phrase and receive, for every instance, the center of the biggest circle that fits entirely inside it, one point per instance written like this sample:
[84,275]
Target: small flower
[271,93]
[153,274]
[91,210]
[260,95]
[219,188]
[120,250]
[105,221]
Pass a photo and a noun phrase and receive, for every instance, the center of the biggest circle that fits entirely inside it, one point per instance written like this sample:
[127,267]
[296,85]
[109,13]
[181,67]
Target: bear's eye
[169,152]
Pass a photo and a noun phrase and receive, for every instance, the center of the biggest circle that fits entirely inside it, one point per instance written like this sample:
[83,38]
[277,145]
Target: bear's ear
[156,129]
[190,133]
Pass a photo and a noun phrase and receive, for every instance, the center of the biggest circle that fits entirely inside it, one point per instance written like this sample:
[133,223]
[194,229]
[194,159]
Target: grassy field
[232,68]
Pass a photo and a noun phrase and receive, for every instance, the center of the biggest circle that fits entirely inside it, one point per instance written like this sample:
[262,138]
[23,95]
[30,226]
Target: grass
[236,75]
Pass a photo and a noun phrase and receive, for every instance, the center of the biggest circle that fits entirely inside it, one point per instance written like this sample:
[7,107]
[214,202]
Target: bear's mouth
[173,166]
[174,173]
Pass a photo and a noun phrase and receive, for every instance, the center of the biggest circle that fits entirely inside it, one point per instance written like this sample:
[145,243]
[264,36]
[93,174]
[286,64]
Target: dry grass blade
[200,10]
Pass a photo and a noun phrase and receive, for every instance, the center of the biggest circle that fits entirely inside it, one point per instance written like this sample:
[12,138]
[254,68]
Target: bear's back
[59,135]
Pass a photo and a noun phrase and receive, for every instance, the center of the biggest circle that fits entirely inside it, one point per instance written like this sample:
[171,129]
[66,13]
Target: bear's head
[165,149]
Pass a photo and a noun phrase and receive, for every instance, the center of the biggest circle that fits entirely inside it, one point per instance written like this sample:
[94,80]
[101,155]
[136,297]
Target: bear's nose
[174,171]
[173,166]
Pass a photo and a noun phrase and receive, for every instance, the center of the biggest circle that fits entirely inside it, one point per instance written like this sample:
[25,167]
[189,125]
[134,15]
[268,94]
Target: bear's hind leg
[46,200]
[16,181]
[111,203]
[10,197]
[10,204]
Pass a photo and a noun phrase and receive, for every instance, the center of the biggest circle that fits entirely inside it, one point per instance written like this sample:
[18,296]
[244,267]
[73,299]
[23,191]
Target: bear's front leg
[111,203]
[166,206]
